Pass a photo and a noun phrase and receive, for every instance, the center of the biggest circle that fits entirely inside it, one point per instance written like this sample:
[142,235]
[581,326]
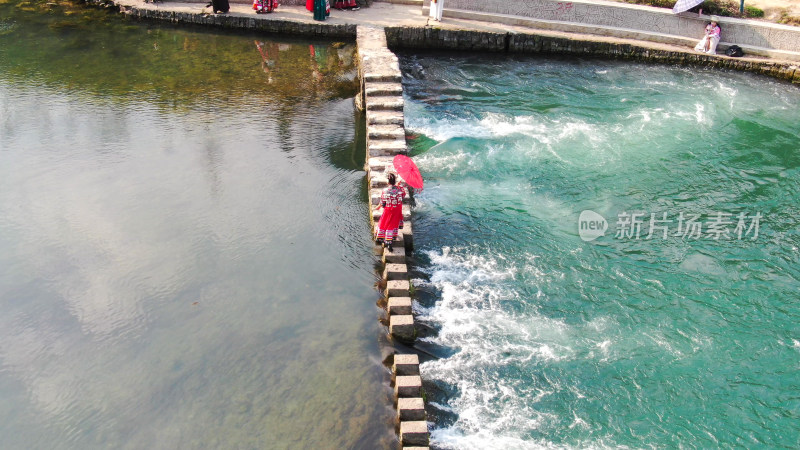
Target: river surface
[184,244]
[677,328]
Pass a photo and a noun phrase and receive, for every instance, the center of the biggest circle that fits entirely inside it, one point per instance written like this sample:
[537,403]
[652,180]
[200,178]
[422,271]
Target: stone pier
[382,100]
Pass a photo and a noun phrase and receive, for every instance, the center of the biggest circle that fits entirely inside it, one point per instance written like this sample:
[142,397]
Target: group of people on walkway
[320,8]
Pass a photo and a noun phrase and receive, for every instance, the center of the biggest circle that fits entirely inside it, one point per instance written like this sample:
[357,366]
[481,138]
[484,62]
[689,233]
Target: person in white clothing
[436,9]
[709,42]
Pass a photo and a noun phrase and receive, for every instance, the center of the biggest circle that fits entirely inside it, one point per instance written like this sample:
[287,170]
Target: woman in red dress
[392,218]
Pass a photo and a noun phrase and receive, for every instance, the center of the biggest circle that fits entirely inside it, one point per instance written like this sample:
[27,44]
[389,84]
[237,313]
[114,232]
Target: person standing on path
[392,217]
[321,8]
[436,10]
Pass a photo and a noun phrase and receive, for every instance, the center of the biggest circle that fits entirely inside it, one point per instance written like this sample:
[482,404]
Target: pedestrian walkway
[378,15]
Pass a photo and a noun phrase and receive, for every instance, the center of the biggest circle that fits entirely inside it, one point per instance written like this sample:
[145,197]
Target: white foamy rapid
[495,125]
[498,347]
[567,138]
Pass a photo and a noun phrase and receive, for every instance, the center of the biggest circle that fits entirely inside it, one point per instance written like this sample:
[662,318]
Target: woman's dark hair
[392,179]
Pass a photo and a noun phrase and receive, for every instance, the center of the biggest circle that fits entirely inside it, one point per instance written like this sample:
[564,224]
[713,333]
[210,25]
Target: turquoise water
[184,244]
[541,339]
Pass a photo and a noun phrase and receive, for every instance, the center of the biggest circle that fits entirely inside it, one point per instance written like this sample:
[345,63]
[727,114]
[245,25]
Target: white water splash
[496,412]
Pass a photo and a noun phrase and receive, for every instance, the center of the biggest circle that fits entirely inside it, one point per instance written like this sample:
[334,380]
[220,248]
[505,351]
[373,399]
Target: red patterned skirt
[390,221]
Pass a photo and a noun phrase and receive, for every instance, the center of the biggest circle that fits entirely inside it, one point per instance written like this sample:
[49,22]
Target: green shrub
[752,11]
[723,8]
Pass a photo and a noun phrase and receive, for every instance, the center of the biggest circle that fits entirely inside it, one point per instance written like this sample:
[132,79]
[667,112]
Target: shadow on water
[351,155]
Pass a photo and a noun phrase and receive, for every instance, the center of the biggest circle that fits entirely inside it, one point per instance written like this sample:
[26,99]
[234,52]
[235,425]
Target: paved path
[378,15]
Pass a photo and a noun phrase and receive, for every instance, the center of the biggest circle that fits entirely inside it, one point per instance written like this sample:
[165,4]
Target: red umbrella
[407,170]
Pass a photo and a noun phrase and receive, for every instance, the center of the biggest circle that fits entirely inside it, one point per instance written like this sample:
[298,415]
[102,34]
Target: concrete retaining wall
[438,38]
[467,40]
[629,21]
[455,39]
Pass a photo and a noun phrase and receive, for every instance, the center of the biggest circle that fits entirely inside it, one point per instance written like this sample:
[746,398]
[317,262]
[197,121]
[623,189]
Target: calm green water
[545,340]
[184,251]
